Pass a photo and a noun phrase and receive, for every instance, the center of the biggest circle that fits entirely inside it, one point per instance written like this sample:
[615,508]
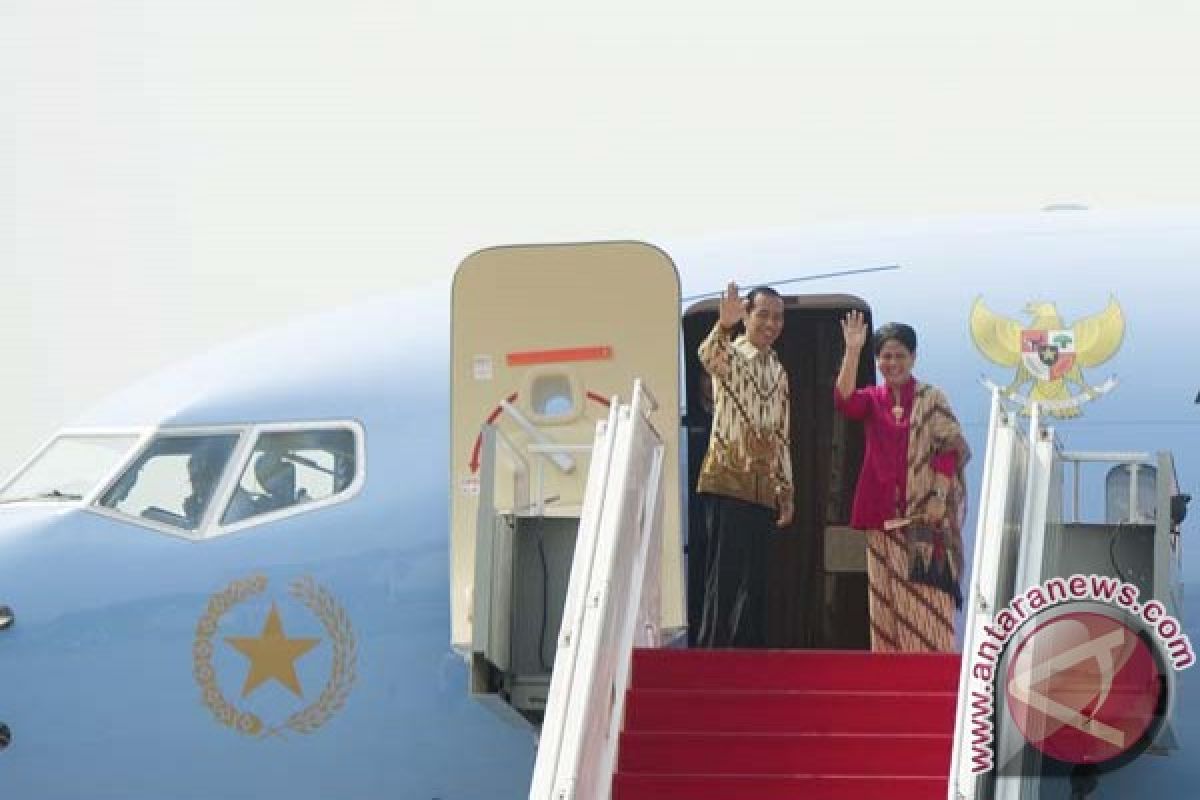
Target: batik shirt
[748,452]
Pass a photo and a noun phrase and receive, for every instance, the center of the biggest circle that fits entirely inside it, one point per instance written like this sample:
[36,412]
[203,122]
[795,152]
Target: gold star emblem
[272,655]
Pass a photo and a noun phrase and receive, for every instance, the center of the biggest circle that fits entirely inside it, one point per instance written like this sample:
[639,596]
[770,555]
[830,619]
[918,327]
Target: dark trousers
[735,583]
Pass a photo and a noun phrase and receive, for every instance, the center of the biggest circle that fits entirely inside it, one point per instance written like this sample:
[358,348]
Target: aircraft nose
[36,546]
[18,525]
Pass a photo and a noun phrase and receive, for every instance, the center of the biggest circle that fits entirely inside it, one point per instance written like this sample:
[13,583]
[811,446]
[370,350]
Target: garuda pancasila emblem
[1049,354]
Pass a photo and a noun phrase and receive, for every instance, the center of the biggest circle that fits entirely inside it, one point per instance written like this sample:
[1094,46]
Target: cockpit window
[68,469]
[293,468]
[173,480]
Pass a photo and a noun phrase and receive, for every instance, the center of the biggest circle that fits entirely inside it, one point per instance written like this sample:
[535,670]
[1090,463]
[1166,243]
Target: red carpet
[767,724]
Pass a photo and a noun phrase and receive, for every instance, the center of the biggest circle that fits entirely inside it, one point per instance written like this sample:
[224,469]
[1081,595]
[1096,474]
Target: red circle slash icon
[1083,688]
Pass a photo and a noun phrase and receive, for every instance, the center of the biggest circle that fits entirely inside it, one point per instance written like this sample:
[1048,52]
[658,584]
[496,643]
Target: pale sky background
[173,173]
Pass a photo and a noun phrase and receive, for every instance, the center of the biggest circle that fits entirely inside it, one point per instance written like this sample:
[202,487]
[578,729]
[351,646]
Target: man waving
[746,477]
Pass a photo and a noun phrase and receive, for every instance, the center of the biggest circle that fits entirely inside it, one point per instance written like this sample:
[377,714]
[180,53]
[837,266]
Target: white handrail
[558,448]
[561,460]
[520,467]
[1131,460]
[612,602]
[963,783]
[1019,543]
[554,720]
[1000,508]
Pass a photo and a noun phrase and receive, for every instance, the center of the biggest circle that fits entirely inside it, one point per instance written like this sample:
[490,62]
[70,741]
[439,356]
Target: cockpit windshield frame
[140,436]
[245,453]
[155,435]
[210,524]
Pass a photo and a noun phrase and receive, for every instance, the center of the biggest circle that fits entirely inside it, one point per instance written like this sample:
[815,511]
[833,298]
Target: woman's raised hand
[732,307]
[854,329]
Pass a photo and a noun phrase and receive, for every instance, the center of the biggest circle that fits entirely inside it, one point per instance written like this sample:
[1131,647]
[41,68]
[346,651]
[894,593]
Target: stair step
[777,787]
[794,669]
[784,753]
[789,711]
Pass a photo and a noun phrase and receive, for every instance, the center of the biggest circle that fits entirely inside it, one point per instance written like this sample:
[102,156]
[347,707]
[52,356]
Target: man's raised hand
[732,307]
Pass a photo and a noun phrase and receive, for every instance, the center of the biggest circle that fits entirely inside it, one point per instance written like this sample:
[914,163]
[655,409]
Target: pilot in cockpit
[204,468]
[277,478]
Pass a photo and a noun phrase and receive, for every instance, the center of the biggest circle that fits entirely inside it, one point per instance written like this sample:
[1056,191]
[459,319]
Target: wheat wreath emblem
[337,688]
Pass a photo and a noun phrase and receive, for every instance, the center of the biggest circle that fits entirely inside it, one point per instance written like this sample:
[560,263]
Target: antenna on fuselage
[804,279]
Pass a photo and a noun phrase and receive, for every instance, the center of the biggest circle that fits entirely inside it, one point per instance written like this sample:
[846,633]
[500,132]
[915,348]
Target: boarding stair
[631,714]
[767,724]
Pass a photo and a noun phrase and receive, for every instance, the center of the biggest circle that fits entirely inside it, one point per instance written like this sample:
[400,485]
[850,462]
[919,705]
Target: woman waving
[910,497]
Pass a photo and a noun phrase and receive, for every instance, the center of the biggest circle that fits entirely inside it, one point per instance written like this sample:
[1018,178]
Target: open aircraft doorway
[817,591]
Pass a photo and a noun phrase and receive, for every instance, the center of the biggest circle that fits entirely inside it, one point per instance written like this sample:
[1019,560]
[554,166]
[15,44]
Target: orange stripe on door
[530,358]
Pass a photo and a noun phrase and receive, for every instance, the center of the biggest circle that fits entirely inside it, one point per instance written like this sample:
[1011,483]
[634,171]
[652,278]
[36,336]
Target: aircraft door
[543,336]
